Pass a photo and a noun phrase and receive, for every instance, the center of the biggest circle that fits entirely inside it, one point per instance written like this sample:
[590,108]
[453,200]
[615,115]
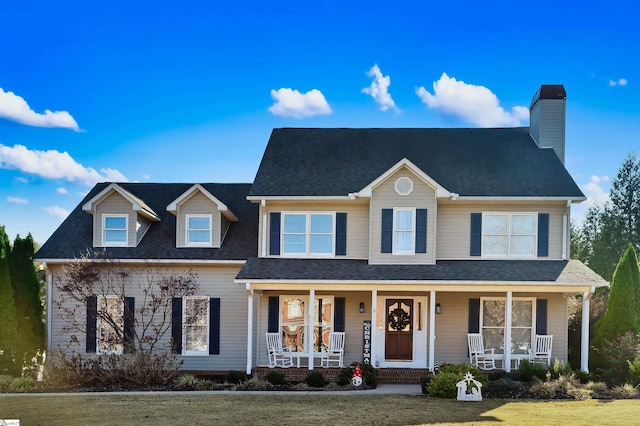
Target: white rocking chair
[541,350]
[482,358]
[335,351]
[278,357]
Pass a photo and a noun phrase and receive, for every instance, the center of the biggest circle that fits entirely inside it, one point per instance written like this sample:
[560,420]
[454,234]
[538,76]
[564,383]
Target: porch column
[432,329]
[374,327]
[507,332]
[310,330]
[249,326]
[584,334]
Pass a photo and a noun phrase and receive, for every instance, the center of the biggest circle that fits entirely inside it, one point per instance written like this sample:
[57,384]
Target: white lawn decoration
[469,389]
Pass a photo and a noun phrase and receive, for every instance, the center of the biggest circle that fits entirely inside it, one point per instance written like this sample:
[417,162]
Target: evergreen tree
[622,313]
[8,334]
[26,291]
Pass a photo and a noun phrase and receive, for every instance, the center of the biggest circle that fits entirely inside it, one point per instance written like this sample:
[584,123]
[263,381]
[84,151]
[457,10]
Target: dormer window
[198,230]
[115,229]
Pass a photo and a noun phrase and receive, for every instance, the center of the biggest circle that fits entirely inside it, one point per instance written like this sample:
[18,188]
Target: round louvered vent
[404,186]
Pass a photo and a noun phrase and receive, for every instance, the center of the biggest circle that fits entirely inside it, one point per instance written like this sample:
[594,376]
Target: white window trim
[106,243]
[187,243]
[514,299]
[509,235]
[413,232]
[185,352]
[120,347]
[307,234]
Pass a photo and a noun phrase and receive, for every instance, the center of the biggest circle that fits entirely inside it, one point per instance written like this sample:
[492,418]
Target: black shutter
[214,326]
[274,313]
[421,230]
[176,324]
[92,316]
[476,235]
[129,324]
[543,234]
[339,314]
[341,234]
[274,233]
[541,316]
[474,316]
[386,244]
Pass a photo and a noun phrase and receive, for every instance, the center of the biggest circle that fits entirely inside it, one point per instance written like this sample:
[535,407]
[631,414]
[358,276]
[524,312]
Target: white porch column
[310,329]
[507,332]
[374,327]
[432,329]
[584,334]
[249,326]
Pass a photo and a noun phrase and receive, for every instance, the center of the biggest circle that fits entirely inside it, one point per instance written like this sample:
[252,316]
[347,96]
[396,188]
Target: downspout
[49,304]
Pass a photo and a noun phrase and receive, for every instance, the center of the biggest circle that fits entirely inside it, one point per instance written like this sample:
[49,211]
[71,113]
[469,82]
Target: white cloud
[291,103]
[379,89]
[62,191]
[146,177]
[53,164]
[475,104]
[21,179]
[57,211]
[619,82]
[15,108]
[17,200]
[597,193]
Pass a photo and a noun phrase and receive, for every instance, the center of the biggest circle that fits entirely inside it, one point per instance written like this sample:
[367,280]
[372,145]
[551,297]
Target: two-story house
[404,239]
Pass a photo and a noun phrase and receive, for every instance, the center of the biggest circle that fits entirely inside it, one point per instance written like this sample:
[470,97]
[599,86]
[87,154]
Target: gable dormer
[202,220]
[120,219]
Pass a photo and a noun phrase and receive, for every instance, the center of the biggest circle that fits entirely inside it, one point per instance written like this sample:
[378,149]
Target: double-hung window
[492,323]
[114,228]
[195,323]
[198,229]
[308,234]
[509,234]
[404,226]
[110,317]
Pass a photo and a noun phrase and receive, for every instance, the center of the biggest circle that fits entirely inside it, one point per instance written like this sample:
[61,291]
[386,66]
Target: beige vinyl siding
[198,203]
[357,222]
[385,197]
[452,324]
[454,222]
[214,281]
[114,204]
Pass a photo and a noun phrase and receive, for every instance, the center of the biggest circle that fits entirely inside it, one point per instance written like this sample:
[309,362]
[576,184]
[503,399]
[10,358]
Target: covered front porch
[413,323]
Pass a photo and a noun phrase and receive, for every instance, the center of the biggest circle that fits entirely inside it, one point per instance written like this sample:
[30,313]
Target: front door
[399,330]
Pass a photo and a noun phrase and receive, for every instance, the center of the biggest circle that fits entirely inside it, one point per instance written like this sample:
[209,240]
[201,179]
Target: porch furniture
[478,355]
[541,350]
[335,351]
[278,357]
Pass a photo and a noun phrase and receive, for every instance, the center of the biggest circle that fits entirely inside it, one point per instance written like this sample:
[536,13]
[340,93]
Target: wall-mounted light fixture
[362,307]
[438,309]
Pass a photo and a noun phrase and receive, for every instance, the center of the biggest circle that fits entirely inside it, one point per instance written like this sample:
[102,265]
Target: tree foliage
[622,314]
[8,329]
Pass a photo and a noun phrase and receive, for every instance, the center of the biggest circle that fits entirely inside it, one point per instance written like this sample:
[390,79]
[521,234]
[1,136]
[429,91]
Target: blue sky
[189,91]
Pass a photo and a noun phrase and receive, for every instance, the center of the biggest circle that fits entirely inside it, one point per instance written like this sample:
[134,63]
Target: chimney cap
[549,91]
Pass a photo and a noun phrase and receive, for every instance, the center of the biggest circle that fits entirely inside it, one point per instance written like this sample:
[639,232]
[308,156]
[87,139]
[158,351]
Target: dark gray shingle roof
[74,236]
[469,162]
[570,272]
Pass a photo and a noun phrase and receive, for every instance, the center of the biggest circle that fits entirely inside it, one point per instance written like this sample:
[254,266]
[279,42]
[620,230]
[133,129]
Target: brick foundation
[385,375]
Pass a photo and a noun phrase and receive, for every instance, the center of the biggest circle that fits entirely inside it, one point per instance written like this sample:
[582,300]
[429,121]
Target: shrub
[235,377]
[443,385]
[497,375]
[275,378]
[598,389]
[424,383]
[529,370]
[634,371]
[253,384]
[543,390]
[207,385]
[9,384]
[369,375]
[186,381]
[583,376]
[616,353]
[315,379]
[68,371]
[559,368]
[625,391]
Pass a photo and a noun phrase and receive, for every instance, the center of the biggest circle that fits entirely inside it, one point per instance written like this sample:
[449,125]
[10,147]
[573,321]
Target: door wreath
[398,319]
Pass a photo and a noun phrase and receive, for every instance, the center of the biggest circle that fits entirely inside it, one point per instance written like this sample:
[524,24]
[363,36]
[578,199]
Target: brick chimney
[547,118]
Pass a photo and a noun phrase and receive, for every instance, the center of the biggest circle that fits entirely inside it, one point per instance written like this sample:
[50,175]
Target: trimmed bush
[443,385]
[529,370]
[276,378]
[315,379]
[235,377]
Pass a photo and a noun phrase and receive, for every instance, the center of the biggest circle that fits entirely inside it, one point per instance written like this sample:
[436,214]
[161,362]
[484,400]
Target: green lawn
[314,409]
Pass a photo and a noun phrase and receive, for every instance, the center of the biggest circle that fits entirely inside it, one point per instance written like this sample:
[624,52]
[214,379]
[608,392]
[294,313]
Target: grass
[316,409]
